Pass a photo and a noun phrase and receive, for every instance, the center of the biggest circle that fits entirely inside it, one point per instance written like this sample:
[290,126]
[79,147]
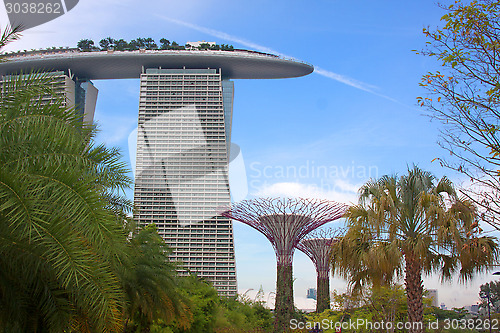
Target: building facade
[183,142]
[80,94]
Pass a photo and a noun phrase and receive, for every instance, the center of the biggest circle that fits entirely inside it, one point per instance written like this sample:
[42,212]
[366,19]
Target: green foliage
[415,223]
[243,316]
[10,34]
[86,45]
[387,303]
[150,282]
[208,46]
[203,301]
[120,45]
[465,94]
[143,43]
[211,313]
[441,314]
[165,43]
[60,226]
[106,43]
[490,292]
[65,261]
[382,305]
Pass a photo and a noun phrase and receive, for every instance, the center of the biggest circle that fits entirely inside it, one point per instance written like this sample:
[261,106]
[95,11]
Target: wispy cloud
[223,35]
[323,72]
[353,83]
[345,79]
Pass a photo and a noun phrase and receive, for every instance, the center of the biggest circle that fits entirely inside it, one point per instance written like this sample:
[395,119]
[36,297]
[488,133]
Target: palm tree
[411,223]
[150,282]
[61,214]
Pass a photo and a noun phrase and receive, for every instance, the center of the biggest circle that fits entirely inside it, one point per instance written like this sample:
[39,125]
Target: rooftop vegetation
[88,45]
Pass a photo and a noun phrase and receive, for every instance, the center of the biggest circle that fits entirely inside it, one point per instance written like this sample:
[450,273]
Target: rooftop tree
[121,45]
[86,45]
[107,43]
[165,44]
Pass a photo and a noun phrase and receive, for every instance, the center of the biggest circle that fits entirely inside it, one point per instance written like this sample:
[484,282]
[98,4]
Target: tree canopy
[465,95]
[490,292]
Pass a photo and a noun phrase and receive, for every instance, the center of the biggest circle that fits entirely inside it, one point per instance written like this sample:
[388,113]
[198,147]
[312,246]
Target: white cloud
[340,191]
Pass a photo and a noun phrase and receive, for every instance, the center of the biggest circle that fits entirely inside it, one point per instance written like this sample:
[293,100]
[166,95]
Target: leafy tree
[203,302]
[86,45]
[165,44]
[107,43]
[490,292]
[139,43]
[465,95]
[244,315]
[175,46]
[121,45]
[150,44]
[385,304]
[204,46]
[441,314]
[411,222]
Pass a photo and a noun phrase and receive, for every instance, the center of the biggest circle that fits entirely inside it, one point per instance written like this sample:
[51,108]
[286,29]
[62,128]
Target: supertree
[317,246]
[284,222]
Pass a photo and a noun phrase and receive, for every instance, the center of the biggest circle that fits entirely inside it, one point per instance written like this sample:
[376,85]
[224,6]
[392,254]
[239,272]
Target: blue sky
[356,116]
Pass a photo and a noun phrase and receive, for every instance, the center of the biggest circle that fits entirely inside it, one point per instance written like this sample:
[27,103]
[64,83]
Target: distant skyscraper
[312,293]
[433,296]
[183,143]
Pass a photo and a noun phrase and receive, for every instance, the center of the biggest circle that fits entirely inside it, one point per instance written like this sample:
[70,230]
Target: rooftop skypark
[118,59]
[140,44]
[148,44]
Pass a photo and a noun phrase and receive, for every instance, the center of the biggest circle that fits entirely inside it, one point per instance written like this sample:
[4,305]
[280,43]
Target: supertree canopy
[285,222]
[317,246]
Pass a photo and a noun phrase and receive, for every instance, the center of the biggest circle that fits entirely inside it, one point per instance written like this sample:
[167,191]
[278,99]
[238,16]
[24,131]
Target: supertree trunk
[283,308]
[317,246]
[323,296]
[414,292]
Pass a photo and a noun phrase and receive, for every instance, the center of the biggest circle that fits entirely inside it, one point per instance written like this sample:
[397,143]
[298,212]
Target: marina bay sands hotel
[183,140]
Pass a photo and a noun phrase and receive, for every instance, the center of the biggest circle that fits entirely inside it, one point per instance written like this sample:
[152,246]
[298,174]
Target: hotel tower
[183,137]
